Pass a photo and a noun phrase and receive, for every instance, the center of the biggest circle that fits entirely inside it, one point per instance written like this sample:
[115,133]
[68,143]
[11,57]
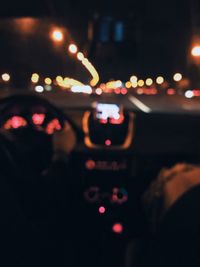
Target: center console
[106,175]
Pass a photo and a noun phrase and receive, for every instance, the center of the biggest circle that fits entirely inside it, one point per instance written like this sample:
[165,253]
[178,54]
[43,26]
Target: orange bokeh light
[57,35]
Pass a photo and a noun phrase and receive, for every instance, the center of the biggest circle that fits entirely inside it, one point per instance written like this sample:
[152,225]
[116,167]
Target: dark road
[144,103]
[147,104]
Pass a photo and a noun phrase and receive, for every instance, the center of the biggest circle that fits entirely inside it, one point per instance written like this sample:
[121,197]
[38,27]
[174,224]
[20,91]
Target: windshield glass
[136,46]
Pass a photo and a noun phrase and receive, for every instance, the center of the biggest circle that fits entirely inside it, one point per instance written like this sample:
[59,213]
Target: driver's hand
[168,187]
[64,141]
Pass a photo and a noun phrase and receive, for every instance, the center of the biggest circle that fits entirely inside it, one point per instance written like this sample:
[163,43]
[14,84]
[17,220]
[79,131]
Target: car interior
[74,175]
[87,203]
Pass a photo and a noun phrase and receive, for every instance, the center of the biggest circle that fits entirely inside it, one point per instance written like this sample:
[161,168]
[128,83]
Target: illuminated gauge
[119,195]
[53,126]
[15,122]
[38,118]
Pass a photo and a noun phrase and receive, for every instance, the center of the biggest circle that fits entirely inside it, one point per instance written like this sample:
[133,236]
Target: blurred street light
[189,94]
[149,82]
[160,80]
[128,84]
[48,81]
[5,77]
[177,77]
[134,85]
[39,89]
[35,78]
[133,79]
[57,36]
[80,56]
[73,48]
[140,83]
[59,80]
[195,52]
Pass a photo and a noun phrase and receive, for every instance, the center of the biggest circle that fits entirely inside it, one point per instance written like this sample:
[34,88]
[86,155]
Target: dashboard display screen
[109,113]
[105,111]
[108,125]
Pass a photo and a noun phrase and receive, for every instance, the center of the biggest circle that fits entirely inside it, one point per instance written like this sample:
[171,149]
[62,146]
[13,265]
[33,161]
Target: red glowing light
[150,91]
[117,228]
[53,126]
[90,164]
[117,91]
[38,119]
[102,210]
[103,121]
[170,91]
[196,92]
[117,121]
[108,142]
[15,122]
[124,91]
[103,86]
[154,91]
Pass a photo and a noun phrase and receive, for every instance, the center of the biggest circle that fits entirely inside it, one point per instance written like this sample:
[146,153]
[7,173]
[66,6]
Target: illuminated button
[108,142]
[119,195]
[90,164]
[117,228]
[102,210]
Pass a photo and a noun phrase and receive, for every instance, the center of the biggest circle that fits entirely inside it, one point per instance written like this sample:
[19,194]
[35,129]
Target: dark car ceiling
[83,8]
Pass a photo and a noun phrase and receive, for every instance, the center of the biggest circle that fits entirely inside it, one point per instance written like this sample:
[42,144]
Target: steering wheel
[21,147]
[37,127]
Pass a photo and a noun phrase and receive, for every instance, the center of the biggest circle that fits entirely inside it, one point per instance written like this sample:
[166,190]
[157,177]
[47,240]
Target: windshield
[136,46]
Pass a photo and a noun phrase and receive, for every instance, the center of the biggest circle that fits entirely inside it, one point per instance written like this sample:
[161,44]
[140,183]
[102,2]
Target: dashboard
[117,155]
[30,116]
[115,159]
